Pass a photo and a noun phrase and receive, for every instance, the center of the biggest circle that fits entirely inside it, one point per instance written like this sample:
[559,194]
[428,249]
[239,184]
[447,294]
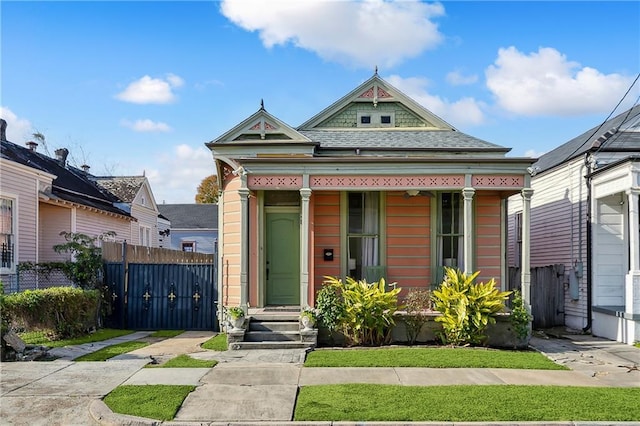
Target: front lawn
[185,361]
[216,343]
[441,357]
[111,351]
[160,402]
[38,338]
[491,403]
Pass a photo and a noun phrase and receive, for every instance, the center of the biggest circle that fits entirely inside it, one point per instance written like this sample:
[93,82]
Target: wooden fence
[113,252]
[547,294]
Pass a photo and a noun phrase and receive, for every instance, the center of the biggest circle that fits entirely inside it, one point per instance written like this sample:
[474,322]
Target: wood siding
[610,252]
[94,224]
[231,214]
[22,187]
[408,231]
[558,228]
[53,221]
[488,241]
[325,234]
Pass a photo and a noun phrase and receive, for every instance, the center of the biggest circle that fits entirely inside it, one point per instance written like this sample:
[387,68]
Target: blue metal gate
[161,296]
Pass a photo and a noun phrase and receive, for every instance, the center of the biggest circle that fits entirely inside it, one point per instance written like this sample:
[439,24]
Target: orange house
[373,186]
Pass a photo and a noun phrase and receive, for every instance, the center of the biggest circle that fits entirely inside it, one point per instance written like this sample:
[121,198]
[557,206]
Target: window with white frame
[450,231]
[7,234]
[518,238]
[363,235]
[145,236]
[189,246]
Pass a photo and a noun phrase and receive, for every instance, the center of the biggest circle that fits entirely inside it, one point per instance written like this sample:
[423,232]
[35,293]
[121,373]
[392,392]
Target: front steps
[272,330]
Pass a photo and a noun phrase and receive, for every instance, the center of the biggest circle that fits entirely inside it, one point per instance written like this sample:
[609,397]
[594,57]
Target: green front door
[283,258]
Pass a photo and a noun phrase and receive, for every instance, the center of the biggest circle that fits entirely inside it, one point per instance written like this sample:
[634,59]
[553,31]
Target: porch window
[189,246]
[364,236]
[450,232]
[518,238]
[7,236]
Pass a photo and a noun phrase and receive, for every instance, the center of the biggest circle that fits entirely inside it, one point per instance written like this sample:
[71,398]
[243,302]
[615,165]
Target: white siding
[558,228]
[145,211]
[609,252]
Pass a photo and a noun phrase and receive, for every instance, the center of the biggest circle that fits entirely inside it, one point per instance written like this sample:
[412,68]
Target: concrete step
[275,316]
[270,336]
[275,326]
[270,345]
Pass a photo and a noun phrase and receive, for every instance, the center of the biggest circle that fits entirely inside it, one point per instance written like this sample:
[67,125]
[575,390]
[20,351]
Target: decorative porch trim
[482,181]
[385,182]
[274,182]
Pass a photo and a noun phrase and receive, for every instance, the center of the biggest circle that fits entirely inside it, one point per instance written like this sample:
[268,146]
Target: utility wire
[605,120]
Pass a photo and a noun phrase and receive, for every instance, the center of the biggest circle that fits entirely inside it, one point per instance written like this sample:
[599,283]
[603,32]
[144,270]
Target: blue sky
[141,86]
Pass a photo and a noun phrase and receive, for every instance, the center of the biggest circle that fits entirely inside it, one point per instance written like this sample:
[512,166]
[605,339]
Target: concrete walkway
[260,386]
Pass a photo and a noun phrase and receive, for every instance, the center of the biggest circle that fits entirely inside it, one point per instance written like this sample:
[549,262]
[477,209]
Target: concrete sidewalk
[260,386]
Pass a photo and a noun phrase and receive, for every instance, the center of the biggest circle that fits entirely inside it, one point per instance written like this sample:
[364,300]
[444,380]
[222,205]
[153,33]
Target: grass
[637,344]
[216,343]
[167,333]
[113,350]
[185,361]
[160,402]
[38,338]
[365,402]
[444,357]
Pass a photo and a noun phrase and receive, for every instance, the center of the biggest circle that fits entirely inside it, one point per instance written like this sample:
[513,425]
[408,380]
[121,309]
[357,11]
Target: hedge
[65,311]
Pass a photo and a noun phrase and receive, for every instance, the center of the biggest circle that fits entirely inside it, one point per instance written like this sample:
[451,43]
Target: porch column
[525,264]
[305,194]
[244,244]
[634,247]
[468,193]
[632,287]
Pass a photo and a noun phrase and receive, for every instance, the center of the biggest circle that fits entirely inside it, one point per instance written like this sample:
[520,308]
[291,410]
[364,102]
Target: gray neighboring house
[194,227]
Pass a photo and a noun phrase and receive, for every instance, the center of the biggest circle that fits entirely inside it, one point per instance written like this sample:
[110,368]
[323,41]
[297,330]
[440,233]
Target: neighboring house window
[450,230]
[7,234]
[145,236]
[189,246]
[518,238]
[363,234]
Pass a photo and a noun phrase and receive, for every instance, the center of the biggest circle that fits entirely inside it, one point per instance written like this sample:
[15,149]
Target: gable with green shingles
[348,117]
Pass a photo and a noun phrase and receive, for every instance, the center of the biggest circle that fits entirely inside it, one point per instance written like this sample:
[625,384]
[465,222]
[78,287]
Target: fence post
[125,284]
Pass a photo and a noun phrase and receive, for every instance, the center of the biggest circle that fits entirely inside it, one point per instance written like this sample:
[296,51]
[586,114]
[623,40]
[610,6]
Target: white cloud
[533,153]
[546,83]
[175,177]
[149,90]
[18,129]
[362,33]
[465,111]
[456,78]
[146,125]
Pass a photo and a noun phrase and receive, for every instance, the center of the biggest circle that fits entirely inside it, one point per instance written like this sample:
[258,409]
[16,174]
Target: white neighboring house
[584,214]
[136,198]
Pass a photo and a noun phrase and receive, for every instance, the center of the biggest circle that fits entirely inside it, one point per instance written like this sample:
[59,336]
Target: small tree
[208,190]
[85,269]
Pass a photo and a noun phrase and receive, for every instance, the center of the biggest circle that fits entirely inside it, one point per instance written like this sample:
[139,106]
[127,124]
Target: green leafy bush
[417,305]
[467,307]
[368,309]
[330,305]
[520,317]
[63,311]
